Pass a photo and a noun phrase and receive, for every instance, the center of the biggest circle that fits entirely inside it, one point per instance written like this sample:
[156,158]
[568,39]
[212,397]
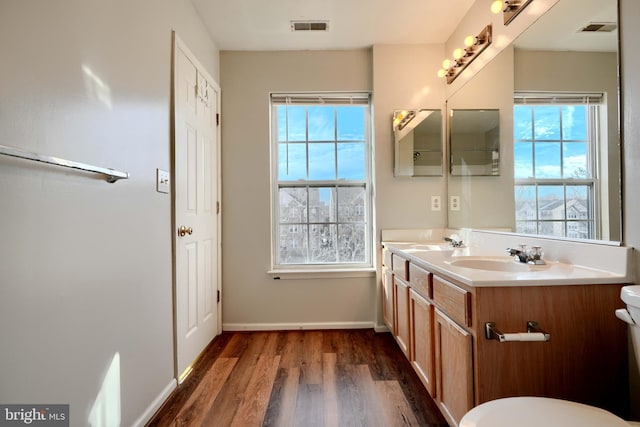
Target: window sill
[300,274]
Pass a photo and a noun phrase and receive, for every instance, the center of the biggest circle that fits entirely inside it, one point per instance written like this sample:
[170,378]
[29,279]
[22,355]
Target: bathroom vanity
[438,308]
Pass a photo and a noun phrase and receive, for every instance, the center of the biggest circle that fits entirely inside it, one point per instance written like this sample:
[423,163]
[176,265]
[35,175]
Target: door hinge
[217,119]
[218,295]
[217,208]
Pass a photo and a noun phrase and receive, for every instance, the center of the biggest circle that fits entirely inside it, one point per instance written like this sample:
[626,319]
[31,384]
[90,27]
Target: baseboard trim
[156,404]
[237,327]
[381,328]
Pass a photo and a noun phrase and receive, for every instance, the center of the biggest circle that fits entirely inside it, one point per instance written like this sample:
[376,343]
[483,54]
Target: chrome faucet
[531,256]
[454,240]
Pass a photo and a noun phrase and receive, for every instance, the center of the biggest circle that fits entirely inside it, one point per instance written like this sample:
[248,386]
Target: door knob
[182,231]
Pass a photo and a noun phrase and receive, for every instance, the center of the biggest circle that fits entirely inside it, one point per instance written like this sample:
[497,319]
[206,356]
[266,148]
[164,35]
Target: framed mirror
[417,142]
[474,142]
[557,90]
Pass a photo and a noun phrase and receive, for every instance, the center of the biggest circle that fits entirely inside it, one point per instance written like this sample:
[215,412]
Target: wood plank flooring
[301,378]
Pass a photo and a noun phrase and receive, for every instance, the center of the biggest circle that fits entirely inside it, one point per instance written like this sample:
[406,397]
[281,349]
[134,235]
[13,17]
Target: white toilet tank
[631,296]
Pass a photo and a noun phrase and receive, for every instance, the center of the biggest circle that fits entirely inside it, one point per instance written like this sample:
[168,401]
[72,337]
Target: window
[321,175]
[555,146]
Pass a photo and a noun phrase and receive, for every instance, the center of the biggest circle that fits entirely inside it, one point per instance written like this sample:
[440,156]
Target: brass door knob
[182,231]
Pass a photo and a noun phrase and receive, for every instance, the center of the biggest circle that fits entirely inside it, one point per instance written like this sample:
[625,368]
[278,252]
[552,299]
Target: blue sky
[554,159]
[326,126]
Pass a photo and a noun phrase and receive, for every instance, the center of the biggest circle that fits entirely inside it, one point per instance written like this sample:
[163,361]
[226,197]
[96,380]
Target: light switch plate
[435,203]
[162,181]
[454,203]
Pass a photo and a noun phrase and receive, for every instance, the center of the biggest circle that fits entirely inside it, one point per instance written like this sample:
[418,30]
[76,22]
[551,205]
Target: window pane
[322,204]
[547,123]
[351,241]
[293,205]
[574,122]
[292,162]
[523,155]
[552,228]
[323,243]
[578,203]
[350,123]
[293,244]
[351,204]
[551,202]
[525,197]
[575,160]
[322,161]
[351,161]
[321,124]
[297,123]
[522,124]
[527,227]
[281,112]
[579,229]
[547,156]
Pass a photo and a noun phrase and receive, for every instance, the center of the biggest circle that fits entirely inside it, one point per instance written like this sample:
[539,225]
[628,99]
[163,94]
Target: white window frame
[311,99]
[594,102]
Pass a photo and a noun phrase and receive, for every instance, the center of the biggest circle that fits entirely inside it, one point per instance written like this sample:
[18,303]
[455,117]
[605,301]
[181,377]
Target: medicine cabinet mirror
[418,142]
[474,142]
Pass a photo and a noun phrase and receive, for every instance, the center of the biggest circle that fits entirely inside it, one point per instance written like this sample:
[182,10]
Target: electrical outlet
[454,203]
[435,203]
[162,181]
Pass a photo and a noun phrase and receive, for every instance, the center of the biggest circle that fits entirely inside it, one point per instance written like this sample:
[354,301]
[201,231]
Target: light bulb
[469,41]
[446,64]
[458,53]
[441,73]
[497,6]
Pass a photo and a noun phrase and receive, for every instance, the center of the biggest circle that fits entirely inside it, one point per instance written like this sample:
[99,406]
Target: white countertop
[440,259]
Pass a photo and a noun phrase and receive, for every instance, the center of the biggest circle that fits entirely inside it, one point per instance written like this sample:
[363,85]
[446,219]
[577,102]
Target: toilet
[541,411]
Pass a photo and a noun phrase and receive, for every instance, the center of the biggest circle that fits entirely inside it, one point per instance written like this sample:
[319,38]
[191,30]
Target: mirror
[474,142]
[555,179]
[418,142]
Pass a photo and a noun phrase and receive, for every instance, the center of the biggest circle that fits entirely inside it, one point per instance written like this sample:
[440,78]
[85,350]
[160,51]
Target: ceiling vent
[309,25]
[599,27]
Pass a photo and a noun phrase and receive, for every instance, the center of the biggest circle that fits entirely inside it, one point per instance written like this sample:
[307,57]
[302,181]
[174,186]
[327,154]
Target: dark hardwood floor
[301,378]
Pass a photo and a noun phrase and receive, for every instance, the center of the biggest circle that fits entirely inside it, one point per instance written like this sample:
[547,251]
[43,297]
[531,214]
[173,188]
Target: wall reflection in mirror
[559,141]
[418,142]
[474,141]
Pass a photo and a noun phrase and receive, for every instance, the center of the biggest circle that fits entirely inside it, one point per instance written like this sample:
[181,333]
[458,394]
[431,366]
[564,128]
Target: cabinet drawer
[420,280]
[386,258]
[453,300]
[400,266]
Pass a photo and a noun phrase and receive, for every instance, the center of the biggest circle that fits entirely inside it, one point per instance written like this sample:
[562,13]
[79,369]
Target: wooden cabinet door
[387,299]
[402,332]
[454,368]
[423,346]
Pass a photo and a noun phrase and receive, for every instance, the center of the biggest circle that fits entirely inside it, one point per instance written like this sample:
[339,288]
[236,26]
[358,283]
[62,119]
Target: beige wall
[85,266]
[251,297]
[487,201]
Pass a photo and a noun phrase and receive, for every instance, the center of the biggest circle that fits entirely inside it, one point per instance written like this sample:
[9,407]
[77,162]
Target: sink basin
[490,264]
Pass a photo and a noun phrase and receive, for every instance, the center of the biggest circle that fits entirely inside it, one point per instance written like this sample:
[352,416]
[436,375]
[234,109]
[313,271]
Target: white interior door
[196,221]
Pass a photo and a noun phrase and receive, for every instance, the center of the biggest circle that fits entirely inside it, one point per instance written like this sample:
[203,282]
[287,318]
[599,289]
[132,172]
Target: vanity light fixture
[402,118]
[474,45]
[509,8]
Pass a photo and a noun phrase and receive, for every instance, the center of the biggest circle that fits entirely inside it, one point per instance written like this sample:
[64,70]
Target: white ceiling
[265,24]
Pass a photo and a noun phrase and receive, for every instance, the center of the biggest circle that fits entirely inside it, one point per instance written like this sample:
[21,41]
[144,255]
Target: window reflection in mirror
[475,142]
[418,142]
